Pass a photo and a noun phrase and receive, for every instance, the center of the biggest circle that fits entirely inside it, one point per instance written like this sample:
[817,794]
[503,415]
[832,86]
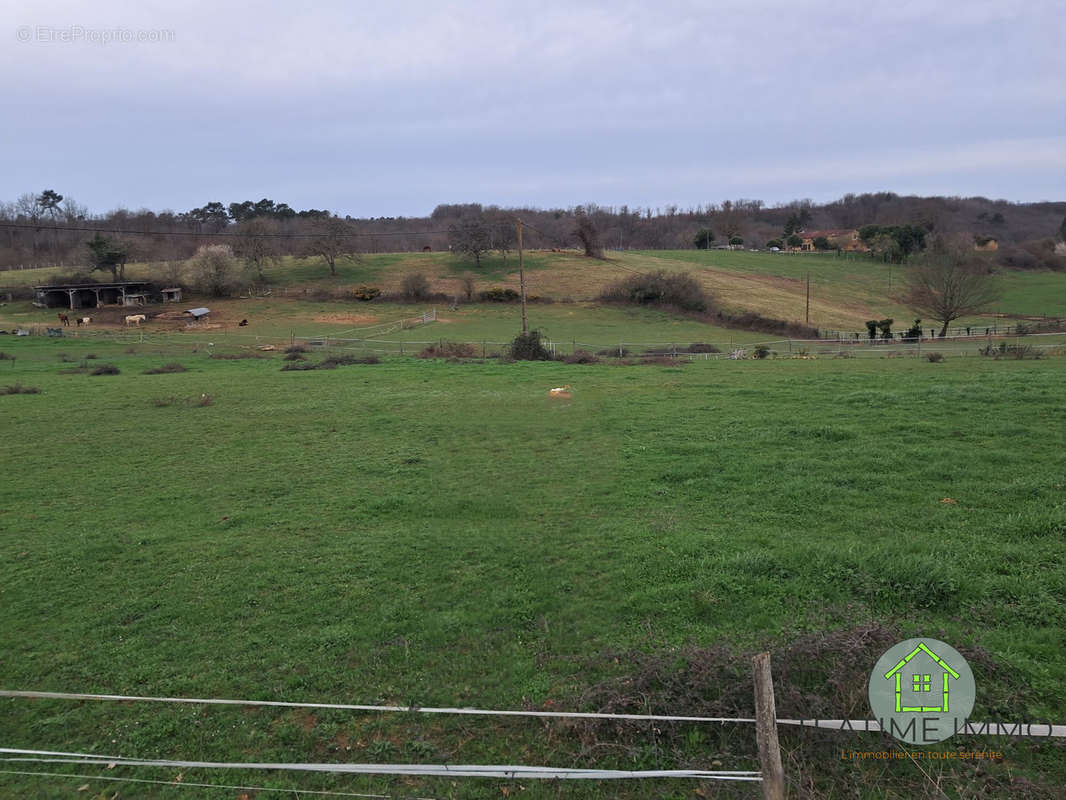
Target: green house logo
[922,691]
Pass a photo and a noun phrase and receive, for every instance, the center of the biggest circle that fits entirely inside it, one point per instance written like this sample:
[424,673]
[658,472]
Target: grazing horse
[64,319]
[135,319]
[242,323]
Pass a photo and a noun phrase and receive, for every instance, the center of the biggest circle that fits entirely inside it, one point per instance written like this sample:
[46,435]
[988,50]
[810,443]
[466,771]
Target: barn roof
[198,312]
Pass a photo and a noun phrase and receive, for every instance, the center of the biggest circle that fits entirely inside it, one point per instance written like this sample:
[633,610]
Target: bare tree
[333,242]
[471,237]
[586,233]
[256,245]
[950,281]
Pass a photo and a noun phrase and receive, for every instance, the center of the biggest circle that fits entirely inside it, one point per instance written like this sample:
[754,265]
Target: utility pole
[522,277]
[808,315]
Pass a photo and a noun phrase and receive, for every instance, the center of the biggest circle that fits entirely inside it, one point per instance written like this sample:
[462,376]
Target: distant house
[199,314]
[845,239]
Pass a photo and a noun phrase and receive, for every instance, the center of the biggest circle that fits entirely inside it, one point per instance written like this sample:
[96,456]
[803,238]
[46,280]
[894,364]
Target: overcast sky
[391,107]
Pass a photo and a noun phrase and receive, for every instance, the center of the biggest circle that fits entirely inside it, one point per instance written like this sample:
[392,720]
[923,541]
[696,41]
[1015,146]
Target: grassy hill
[845,292]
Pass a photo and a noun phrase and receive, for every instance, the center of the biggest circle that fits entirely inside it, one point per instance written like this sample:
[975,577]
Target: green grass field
[444,534]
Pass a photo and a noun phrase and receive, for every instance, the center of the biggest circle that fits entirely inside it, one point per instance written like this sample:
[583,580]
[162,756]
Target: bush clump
[529,347]
[106,369]
[6,357]
[499,295]
[670,289]
[581,357]
[1004,350]
[332,362]
[366,293]
[18,388]
[415,287]
[449,350]
[934,357]
[751,321]
[296,348]
[167,369]
[346,361]
[701,347]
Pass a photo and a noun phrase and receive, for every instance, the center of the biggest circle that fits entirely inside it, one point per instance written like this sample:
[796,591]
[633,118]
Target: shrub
[18,388]
[449,350]
[1004,350]
[581,357]
[366,293]
[90,356]
[528,347]
[299,364]
[414,287]
[701,347]
[751,321]
[346,361]
[106,369]
[6,357]
[167,369]
[296,348]
[671,289]
[215,269]
[934,357]
[498,295]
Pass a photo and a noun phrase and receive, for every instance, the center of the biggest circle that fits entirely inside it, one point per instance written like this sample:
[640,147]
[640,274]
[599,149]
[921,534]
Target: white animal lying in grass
[561,391]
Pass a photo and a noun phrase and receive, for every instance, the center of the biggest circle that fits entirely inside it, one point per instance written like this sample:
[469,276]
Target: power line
[127,232]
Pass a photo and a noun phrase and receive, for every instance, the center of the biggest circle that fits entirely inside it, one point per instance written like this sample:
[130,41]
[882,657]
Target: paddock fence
[388,339]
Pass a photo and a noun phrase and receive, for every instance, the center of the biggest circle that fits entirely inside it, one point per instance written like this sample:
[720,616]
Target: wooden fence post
[773,775]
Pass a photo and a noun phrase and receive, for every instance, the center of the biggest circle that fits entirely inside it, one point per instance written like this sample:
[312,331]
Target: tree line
[893,226]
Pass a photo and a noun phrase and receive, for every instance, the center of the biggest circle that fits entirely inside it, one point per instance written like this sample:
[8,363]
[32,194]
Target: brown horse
[64,319]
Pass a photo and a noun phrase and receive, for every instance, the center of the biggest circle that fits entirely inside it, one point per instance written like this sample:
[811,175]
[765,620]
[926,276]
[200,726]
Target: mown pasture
[444,534]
